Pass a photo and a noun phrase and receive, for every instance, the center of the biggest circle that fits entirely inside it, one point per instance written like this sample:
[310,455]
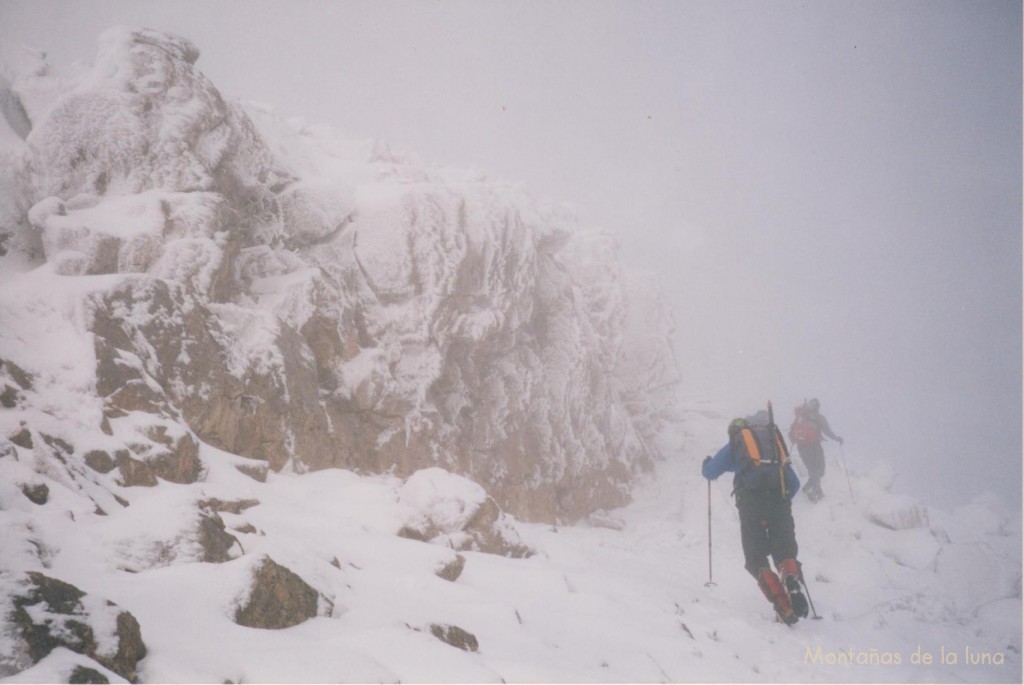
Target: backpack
[761,456]
[804,429]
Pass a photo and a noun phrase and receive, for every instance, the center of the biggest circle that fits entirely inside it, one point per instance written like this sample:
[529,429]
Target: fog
[829,192]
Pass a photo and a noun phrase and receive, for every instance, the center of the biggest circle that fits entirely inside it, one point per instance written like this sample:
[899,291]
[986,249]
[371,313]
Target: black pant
[813,457]
[766,528]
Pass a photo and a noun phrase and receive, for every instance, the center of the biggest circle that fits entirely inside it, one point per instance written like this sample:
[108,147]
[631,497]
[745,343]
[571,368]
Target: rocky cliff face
[304,301]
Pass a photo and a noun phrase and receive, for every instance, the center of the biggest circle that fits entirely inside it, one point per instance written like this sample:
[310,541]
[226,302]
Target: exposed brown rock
[83,675]
[455,636]
[22,437]
[68,625]
[487,535]
[134,472]
[9,397]
[130,647]
[453,569]
[60,448]
[215,540]
[231,506]
[38,493]
[23,379]
[258,472]
[278,598]
[179,462]
[100,461]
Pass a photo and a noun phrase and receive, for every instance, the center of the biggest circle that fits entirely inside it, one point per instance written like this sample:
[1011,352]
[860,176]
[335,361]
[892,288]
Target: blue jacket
[725,460]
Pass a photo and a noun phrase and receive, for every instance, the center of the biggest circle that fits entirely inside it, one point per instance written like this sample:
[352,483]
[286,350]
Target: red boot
[791,574]
[773,590]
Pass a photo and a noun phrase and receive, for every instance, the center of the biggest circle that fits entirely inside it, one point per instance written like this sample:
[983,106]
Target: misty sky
[829,192]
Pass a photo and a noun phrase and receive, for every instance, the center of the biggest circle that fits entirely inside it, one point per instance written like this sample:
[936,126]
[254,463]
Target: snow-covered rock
[51,613]
[898,513]
[456,512]
[290,296]
[277,598]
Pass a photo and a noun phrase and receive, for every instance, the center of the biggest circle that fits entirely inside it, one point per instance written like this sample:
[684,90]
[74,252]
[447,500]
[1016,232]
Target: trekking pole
[710,582]
[847,472]
[814,612]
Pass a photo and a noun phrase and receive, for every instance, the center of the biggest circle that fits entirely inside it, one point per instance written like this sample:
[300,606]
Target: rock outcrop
[52,613]
[455,636]
[309,302]
[278,598]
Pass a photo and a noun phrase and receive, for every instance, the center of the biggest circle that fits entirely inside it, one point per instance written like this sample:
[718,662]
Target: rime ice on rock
[305,300]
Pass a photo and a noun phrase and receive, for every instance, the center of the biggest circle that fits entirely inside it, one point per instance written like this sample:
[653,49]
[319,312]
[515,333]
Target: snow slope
[619,599]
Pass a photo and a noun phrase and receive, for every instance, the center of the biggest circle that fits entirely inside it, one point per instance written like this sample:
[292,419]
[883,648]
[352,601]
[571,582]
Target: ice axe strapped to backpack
[763,454]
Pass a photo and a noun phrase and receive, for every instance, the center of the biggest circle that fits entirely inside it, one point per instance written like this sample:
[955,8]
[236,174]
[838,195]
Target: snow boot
[791,574]
[772,588]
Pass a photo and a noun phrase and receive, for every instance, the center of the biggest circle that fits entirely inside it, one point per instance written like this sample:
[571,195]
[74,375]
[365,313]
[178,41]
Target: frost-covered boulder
[898,512]
[145,118]
[984,516]
[49,613]
[456,512]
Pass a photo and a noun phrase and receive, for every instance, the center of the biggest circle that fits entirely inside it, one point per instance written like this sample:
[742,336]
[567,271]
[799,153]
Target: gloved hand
[706,459]
[840,440]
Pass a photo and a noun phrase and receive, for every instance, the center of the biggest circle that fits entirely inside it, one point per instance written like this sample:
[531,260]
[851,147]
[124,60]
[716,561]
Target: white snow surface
[621,599]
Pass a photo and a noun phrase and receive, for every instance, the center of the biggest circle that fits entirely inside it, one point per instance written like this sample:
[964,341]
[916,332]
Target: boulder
[455,636]
[157,455]
[456,512]
[99,461]
[10,397]
[898,512]
[277,598]
[51,613]
[22,437]
[37,493]
[83,675]
[19,375]
[215,540]
[451,570]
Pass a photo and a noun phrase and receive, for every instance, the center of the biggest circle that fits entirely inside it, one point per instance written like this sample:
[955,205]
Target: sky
[829,193]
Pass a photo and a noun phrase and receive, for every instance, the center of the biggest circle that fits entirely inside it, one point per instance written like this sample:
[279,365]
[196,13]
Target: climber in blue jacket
[764,486]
